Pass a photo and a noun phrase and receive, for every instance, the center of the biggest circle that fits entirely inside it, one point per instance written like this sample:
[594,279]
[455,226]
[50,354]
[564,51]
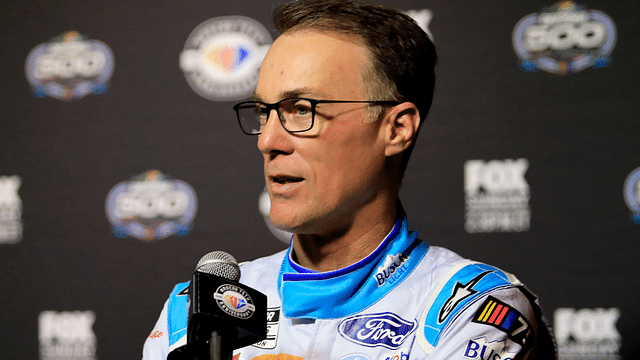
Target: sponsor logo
[393,268]
[151,206]
[10,210]
[355,357]
[235,301]
[587,333]
[222,57]
[459,293]
[482,349]
[564,38]
[497,196]
[156,334]
[632,194]
[273,324]
[264,204]
[67,335]
[385,329]
[68,67]
[503,317]
[403,354]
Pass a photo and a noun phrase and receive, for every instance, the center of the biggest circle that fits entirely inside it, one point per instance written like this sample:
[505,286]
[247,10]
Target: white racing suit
[406,300]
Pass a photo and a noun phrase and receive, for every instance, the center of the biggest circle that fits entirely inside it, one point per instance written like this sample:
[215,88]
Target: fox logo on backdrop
[10,210]
[67,335]
[497,196]
[587,334]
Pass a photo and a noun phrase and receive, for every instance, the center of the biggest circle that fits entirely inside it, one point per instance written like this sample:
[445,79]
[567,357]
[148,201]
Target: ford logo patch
[385,329]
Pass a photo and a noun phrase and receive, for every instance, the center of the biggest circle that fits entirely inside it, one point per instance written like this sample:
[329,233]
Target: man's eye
[302,108]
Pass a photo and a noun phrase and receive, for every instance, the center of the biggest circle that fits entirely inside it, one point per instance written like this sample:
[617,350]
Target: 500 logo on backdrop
[69,67]
[151,206]
[564,38]
[632,194]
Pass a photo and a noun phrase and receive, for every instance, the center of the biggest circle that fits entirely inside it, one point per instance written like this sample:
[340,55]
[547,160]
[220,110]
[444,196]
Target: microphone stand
[216,349]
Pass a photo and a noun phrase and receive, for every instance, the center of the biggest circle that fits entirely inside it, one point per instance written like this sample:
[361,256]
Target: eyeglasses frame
[314,103]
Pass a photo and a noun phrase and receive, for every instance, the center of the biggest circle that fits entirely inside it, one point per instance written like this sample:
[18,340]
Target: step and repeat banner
[122,163]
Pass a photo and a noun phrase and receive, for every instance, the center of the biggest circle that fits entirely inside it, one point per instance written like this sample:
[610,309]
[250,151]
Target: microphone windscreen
[220,264]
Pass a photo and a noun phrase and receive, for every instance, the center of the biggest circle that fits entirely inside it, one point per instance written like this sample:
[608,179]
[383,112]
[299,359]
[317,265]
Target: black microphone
[222,312]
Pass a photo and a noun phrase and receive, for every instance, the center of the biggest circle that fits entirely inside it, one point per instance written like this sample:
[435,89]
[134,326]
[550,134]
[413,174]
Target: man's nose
[273,136]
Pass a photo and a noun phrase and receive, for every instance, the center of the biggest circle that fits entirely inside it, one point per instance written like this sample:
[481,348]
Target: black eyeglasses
[296,115]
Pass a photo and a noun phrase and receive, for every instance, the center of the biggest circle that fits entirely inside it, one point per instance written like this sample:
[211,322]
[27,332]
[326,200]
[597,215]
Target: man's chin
[283,218]
[284,225]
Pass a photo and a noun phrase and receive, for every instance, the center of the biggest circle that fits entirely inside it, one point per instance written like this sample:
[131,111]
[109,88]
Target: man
[338,105]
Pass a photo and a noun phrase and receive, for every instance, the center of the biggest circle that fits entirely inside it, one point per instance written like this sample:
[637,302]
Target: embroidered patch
[504,317]
[385,329]
[460,293]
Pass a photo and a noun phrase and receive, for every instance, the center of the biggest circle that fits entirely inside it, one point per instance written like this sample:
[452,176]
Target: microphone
[222,311]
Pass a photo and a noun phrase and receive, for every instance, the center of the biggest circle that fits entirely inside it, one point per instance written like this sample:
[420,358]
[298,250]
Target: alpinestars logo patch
[459,293]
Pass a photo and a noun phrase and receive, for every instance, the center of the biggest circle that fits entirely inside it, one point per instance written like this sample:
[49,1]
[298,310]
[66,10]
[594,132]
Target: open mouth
[283,179]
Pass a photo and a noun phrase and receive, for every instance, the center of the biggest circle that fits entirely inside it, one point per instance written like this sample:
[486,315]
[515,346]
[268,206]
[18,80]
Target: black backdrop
[64,268]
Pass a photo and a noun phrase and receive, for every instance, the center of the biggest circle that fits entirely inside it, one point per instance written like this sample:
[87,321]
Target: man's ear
[401,128]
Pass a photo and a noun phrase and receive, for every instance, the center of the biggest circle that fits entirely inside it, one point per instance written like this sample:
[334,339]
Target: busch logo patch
[385,329]
[482,349]
[392,269]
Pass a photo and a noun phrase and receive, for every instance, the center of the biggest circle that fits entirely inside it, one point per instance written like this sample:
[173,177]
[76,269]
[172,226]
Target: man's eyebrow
[290,94]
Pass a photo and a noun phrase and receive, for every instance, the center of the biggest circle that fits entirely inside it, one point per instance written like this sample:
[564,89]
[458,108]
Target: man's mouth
[285,179]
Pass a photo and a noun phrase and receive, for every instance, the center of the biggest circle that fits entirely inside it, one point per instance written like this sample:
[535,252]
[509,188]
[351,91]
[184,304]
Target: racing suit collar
[339,293]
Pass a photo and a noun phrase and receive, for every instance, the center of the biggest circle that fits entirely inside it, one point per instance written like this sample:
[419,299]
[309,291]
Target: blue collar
[346,291]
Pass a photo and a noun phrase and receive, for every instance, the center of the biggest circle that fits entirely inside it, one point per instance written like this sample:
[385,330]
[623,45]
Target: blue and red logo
[234,301]
[222,56]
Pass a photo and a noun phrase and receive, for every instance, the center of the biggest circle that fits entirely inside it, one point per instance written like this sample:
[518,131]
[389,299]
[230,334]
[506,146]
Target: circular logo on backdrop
[632,194]
[235,301]
[564,38]
[69,67]
[151,206]
[222,57]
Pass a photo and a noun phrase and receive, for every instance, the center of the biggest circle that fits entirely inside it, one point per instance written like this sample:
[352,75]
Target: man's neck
[328,253]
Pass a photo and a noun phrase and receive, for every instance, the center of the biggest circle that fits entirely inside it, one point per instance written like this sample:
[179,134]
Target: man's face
[321,180]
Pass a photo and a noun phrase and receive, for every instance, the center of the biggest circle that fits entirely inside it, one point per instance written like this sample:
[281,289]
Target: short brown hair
[402,56]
